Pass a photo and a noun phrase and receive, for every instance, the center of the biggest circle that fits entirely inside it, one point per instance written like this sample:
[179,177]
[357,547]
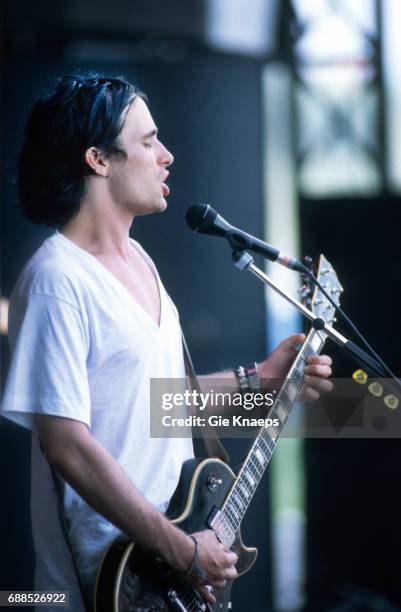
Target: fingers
[310,394]
[292,342]
[226,571]
[232,558]
[315,387]
[319,359]
[231,573]
[319,384]
[317,370]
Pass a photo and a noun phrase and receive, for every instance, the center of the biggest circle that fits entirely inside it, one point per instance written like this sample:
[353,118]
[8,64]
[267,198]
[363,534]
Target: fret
[263,443]
[257,468]
[233,513]
[266,437]
[280,426]
[272,434]
[238,505]
[243,498]
[261,457]
[298,367]
[283,397]
[244,490]
[246,483]
[298,378]
[270,447]
[230,518]
[238,500]
[281,411]
[292,391]
[249,477]
[233,509]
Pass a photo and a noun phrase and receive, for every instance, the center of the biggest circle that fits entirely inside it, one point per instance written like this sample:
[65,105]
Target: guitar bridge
[221,528]
[182,602]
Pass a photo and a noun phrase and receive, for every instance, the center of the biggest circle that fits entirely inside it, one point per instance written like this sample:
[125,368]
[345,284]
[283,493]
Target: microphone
[203,219]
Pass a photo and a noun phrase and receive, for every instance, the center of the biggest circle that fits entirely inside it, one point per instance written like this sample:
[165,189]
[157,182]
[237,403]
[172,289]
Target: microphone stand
[244,261]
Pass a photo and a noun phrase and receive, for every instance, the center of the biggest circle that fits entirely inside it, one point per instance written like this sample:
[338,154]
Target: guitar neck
[261,451]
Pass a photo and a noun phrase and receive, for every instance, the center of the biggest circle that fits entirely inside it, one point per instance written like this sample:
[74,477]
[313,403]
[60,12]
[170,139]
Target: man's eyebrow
[150,134]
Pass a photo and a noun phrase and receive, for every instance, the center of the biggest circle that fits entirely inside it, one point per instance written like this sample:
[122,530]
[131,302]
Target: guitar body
[131,580]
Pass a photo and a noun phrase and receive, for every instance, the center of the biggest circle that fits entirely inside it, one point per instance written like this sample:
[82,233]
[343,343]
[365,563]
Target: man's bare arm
[98,478]
[275,367]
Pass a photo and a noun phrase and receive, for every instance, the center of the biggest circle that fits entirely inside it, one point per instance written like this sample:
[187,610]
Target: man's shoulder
[52,272]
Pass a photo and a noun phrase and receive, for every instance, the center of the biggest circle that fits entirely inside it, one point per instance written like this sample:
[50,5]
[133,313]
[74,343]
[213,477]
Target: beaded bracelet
[248,378]
[252,374]
[242,378]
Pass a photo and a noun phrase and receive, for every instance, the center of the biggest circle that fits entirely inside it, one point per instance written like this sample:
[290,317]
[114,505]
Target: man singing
[90,324]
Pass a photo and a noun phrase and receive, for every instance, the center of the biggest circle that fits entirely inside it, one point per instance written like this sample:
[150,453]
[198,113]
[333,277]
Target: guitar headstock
[313,297]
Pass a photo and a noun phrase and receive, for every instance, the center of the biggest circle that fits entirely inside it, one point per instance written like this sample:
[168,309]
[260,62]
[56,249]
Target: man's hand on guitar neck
[316,372]
[275,368]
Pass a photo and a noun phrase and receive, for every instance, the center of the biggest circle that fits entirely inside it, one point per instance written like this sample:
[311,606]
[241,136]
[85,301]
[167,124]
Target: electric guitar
[210,495]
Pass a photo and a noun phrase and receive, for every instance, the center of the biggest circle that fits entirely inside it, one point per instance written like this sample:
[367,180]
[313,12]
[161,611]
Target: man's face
[138,182]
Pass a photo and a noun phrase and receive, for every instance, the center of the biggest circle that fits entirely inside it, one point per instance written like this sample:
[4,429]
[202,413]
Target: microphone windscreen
[195,215]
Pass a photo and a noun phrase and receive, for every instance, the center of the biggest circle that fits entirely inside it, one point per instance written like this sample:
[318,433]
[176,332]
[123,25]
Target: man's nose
[166,156]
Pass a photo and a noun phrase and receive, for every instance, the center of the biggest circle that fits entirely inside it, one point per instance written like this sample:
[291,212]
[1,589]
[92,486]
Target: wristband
[242,378]
[252,374]
[248,378]
[194,569]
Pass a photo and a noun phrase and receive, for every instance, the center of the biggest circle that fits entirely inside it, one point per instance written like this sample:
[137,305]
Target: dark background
[208,107]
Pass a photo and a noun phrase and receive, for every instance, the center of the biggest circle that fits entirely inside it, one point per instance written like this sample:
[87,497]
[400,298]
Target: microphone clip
[242,259]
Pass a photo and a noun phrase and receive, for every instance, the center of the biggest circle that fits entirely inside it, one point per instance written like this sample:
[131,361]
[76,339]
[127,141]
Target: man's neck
[100,230]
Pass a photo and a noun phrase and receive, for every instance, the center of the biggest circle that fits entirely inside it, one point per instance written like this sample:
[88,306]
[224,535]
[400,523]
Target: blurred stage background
[286,117]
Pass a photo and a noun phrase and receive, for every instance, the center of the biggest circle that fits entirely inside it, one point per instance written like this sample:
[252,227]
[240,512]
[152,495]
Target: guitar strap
[214,447]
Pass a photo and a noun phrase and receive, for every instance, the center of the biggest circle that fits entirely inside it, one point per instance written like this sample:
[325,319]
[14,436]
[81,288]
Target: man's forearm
[98,478]
[219,382]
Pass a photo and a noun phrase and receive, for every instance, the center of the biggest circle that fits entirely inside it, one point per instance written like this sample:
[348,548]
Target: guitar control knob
[213,482]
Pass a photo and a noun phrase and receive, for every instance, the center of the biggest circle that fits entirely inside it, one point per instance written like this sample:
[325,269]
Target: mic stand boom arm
[244,261]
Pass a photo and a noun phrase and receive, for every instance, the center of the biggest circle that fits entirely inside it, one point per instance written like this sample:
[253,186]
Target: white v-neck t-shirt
[83,348]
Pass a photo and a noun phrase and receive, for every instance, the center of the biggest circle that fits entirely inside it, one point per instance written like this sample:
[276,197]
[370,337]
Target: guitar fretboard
[261,451]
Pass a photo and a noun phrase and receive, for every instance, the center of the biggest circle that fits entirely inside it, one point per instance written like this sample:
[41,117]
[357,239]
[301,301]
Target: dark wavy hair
[82,111]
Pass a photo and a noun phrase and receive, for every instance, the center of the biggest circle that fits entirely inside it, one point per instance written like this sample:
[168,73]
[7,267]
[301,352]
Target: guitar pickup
[219,524]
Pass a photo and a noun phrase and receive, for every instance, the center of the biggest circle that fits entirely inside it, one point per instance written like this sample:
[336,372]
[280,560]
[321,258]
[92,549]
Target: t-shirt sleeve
[48,372]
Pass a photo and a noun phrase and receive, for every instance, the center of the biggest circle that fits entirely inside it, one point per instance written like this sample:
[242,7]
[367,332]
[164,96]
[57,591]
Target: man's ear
[96,160]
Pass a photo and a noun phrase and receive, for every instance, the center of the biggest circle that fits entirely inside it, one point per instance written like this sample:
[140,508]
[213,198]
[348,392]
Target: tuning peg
[308,261]
[304,291]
